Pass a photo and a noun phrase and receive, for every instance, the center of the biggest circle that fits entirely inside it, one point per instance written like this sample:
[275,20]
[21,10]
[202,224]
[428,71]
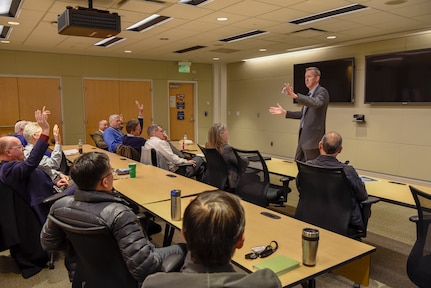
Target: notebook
[280,264]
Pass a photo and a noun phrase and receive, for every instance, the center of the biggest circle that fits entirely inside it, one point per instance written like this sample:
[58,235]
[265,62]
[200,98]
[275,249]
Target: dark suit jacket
[314,114]
[358,187]
[31,183]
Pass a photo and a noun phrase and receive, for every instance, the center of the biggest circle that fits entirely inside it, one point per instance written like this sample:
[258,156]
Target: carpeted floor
[389,231]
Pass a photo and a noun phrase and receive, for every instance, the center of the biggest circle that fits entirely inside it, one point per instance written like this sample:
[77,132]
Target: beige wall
[73,68]
[396,139]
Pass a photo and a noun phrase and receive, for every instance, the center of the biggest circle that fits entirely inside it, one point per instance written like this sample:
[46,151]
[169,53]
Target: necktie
[304,109]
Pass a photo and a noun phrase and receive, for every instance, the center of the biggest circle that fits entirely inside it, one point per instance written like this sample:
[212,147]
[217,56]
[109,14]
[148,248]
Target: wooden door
[34,93]
[105,97]
[181,110]
[9,107]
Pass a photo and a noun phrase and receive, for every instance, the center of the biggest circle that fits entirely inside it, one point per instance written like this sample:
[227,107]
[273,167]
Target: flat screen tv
[400,77]
[337,76]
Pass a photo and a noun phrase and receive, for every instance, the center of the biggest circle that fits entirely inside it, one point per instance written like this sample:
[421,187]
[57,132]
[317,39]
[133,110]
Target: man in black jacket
[95,202]
[330,146]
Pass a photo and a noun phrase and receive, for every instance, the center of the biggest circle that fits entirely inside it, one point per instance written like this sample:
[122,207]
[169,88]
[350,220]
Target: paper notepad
[280,264]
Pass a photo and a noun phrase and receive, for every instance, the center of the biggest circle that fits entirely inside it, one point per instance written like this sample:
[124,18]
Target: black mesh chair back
[216,173]
[419,260]
[325,197]
[253,183]
[99,261]
[128,152]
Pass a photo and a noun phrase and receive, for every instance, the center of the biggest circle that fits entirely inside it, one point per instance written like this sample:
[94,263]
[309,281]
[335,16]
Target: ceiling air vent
[329,14]
[189,49]
[243,36]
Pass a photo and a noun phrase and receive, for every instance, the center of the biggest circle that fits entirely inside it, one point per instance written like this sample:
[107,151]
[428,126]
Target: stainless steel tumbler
[310,242]
[176,205]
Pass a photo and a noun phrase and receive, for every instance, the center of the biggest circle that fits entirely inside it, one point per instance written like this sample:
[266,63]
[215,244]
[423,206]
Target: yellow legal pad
[280,264]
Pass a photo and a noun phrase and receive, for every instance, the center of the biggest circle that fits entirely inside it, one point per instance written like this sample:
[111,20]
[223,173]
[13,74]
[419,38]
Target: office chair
[128,152]
[253,183]
[20,233]
[150,156]
[216,173]
[325,200]
[419,260]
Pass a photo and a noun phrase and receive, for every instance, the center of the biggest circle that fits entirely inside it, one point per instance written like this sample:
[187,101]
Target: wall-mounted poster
[180,115]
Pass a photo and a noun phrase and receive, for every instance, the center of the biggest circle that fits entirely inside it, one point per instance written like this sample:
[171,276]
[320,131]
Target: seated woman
[218,137]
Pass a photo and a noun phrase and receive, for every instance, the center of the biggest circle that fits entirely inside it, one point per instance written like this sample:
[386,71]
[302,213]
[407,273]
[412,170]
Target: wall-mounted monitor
[400,77]
[337,77]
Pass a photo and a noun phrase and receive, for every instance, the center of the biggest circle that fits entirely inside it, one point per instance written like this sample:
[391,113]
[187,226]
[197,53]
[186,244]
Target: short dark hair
[332,142]
[131,125]
[89,169]
[213,223]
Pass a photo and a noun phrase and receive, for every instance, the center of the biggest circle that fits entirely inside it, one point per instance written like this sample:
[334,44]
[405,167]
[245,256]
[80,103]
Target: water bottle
[310,242]
[80,146]
[176,205]
[185,137]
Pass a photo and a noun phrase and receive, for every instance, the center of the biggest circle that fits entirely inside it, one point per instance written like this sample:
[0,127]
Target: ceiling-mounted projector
[88,22]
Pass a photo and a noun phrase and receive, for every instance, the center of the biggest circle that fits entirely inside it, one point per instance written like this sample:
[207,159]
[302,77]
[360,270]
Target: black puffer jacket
[93,208]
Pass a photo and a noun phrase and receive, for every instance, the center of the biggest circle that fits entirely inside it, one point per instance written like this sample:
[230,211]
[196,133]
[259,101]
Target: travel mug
[132,170]
[310,241]
[176,205]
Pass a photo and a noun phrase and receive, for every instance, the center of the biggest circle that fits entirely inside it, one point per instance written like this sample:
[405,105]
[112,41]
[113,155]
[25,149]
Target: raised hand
[140,107]
[42,120]
[56,133]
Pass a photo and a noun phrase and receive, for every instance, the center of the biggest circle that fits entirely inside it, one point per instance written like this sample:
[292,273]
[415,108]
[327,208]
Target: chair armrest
[415,218]
[173,263]
[51,199]
[185,164]
[370,200]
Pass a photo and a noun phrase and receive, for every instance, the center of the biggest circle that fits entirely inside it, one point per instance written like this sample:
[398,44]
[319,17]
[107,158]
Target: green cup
[132,170]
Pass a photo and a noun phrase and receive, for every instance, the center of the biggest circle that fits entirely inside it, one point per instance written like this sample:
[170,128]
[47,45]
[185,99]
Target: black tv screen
[401,77]
[337,76]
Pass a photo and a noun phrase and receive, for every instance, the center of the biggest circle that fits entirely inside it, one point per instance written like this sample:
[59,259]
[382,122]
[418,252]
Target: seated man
[98,135]
[158,142]
[113,135]
[213,226]
[133,138]
[32,184]
[50,165]
[96,203]
[330,146]
[19,129]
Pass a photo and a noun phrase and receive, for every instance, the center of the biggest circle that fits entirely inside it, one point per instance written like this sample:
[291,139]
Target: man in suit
[312,114]
[98,135]
[213,226]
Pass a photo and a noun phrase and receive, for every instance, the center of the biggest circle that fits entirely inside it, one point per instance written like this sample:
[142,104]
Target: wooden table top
[151,184]
[334,250]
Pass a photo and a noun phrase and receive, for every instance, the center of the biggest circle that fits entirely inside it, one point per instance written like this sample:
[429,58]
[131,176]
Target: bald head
[331,143]
[11,149]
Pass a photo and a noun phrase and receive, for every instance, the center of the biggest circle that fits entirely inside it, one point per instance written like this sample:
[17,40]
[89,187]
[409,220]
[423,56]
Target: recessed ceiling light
[127,51]
[5,41]
[13,23]
[216,58]
[222,19]
[262,50]
[331,37]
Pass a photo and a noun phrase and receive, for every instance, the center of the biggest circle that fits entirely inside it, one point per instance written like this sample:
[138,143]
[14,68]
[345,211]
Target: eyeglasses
[112,172]
[16,147]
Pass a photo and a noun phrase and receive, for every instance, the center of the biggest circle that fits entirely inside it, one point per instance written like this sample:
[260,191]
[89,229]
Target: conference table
[385,189]
[336,253]
[151,190]
[151,184]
